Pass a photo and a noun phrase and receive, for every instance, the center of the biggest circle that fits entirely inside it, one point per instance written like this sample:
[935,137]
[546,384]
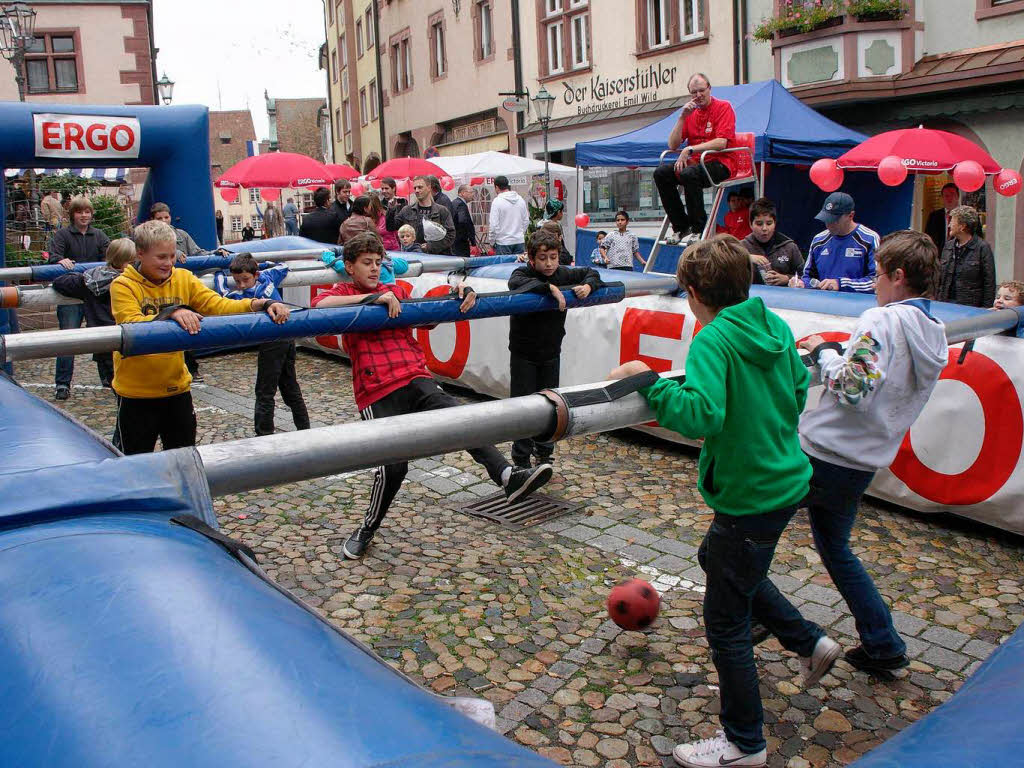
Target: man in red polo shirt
[705,123]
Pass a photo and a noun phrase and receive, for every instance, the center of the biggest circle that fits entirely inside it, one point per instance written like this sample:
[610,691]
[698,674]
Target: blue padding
[979,727]
[252,328]
[170,482]
[668,256]
[504,271]
[34,433]
[128,640]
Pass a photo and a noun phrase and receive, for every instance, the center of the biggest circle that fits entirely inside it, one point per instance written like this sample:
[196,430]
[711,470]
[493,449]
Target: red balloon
[270,194]
[826,174]
[476,181]
[403,188]
[969,175]
[447,183]
[375,183]
[892,171]
[357,189]
[229,194]
[582,219]
[633,604]
[1008,182]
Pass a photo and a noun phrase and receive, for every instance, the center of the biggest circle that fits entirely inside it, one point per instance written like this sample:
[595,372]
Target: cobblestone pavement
[467,607]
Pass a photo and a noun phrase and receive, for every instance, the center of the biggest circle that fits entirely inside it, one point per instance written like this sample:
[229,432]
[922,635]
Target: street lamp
[543,102]
[17,32]
[166,88]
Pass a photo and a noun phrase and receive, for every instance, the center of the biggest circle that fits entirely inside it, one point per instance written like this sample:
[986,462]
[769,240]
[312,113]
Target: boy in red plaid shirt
[389,377]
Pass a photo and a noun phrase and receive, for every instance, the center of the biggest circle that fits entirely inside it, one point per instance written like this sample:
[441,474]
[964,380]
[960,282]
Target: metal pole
[547,169]
[19,63]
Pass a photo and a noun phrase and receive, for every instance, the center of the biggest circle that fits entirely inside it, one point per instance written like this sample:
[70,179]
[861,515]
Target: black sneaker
[62,392]
[523,482]
[197,378]
[108,383]
[858,658]
[357,543]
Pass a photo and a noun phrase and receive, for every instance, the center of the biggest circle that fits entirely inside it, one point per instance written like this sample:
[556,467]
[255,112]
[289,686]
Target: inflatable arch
[173,142]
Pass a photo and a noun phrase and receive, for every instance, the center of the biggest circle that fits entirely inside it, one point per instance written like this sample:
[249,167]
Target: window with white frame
[658,23]
[254,195]
[306,200]
[236,223]
[359,37]
[344,50]
[486,32]
[691,13]
[374,96]
[580,54]
[347,110]
[255,221]
[363,111]
[554,35]
[369,28]
[438,62]
[407,62]
[552,7]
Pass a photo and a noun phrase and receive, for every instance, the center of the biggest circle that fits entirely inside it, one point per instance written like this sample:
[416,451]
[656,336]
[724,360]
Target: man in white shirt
[508,220]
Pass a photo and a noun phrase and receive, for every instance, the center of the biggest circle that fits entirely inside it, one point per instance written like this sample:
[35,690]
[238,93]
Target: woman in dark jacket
[967,269]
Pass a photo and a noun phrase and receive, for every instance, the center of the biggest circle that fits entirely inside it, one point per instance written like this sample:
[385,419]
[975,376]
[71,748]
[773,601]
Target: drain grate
[536,508]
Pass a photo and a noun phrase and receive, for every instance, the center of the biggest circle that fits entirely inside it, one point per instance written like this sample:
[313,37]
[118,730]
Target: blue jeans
[504,250]
[832,507]
[735,555]
[291,226]
[68,316]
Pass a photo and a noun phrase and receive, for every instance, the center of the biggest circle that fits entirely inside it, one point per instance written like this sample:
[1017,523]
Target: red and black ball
[633,604]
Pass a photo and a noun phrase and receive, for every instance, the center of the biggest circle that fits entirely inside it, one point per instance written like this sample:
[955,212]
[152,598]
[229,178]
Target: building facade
[88,52]
[294,126]
[232,139]
[952,66]
[616,67]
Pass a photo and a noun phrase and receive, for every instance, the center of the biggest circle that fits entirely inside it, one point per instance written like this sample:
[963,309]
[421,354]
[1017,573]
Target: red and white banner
[87,137]
[963,455]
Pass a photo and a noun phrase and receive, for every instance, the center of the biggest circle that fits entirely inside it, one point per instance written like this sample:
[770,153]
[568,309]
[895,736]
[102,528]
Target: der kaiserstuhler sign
[601,92]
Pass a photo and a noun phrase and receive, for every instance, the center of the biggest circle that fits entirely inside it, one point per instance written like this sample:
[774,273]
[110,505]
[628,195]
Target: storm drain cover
[535,508]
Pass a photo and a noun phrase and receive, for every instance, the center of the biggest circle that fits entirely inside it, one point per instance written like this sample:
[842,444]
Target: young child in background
[752,473]
[275,364]
[621,247]
[596,255]
[1009,294]
[407,237]
[92,287]
[774,257]
[535,339]
[874,391]
[390,377]
[737,218]
[154,396]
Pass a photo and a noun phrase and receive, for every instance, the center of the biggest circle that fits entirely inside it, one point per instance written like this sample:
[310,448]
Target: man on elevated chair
[706,123]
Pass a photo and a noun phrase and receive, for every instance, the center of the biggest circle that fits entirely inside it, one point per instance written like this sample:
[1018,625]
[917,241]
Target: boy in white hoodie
[509,219]
[874,391]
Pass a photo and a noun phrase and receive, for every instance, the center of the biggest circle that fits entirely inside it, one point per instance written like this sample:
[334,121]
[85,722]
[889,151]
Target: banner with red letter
[86,137]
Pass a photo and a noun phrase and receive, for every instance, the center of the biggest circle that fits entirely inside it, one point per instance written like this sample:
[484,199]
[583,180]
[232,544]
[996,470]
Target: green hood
[745,388]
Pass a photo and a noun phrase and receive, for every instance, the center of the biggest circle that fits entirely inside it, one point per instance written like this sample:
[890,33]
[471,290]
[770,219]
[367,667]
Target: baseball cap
[836,205]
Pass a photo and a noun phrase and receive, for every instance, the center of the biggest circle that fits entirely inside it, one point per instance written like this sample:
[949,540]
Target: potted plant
[795,18]
[877,10]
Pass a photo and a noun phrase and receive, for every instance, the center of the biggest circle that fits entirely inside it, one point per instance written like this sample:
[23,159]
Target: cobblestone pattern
[518,617]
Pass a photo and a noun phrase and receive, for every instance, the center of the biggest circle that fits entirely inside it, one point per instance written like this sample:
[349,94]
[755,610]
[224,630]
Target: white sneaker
[716,752]
[818,664]
[674,239]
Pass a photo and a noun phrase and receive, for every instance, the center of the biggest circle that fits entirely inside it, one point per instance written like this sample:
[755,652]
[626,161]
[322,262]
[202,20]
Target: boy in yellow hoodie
[154,399]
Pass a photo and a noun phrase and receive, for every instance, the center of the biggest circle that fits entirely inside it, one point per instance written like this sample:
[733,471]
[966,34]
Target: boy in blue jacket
[275,366]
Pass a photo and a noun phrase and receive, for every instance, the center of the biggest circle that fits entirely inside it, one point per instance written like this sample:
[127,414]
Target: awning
[497,142]
[110,175]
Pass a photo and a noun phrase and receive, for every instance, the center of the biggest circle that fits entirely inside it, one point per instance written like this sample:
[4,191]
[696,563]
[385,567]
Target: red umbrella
[405,168]
[922,150]
[342,171]
[277,169]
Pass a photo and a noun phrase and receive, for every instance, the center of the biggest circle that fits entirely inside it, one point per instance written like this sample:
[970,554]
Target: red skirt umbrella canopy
[922,150]
[278,169]
[342,171]
[405,168]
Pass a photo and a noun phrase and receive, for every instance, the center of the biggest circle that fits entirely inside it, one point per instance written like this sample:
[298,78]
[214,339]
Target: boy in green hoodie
[744,390]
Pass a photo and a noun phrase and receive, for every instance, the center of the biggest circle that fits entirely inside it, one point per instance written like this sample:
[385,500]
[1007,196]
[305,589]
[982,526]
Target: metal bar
[75,341]
[243,465]
[987,324]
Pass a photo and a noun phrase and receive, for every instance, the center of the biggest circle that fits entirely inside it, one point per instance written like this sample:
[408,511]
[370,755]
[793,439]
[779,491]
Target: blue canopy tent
[788,137]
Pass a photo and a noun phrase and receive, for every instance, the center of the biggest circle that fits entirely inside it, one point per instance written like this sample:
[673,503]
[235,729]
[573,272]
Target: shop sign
[641,86]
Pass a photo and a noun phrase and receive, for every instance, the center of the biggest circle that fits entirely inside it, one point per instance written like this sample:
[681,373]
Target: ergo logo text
[86,136]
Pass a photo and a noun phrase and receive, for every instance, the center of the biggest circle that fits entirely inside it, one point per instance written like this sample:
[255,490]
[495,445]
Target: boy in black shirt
[535,339]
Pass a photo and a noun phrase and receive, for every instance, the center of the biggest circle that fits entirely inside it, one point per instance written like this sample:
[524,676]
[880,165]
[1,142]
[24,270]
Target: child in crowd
[535,340]
[774,257]
[154,399]
[752,473]
[275,364]
[407,237]
[92,287]
[874,391]
[554,228]
[737,218]
[390,377]
[596,256]
[621,247]
[1009,294]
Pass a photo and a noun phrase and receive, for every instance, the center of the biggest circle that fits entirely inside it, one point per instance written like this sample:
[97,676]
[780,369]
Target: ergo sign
[86,136]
